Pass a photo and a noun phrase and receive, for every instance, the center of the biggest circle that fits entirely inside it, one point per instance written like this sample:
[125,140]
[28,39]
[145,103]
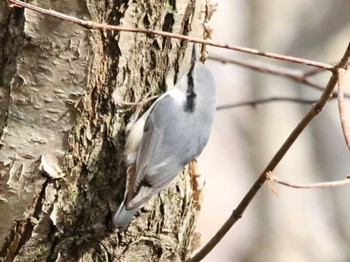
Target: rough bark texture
[62,137]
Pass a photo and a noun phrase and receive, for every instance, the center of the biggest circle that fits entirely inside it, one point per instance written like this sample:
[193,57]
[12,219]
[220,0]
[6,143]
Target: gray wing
[169,142]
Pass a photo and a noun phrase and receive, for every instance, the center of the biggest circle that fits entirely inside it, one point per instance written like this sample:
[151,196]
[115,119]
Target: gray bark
[62,137]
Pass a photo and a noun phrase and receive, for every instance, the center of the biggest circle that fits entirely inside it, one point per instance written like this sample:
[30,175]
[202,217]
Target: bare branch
[271,178]
[313,71]
[295,75]
[265,101]
[341,107]
[94,25]
[238,212]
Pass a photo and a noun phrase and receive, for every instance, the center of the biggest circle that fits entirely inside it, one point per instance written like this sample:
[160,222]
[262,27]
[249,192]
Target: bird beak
[194,57]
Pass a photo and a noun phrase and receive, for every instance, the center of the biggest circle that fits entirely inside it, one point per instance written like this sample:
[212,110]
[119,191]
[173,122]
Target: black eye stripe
[190,94]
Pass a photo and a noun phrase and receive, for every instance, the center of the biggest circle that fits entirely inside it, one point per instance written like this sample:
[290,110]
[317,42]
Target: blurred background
[301,224]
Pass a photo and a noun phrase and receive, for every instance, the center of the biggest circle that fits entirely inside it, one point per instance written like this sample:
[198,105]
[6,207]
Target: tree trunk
[62,137]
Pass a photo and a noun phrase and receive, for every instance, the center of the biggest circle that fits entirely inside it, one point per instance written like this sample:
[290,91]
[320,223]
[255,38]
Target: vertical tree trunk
[62,137]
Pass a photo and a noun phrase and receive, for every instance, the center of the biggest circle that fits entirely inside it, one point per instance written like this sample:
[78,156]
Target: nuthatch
[170,134]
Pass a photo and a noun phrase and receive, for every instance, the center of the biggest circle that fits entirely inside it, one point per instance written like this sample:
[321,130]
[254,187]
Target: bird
[169,135]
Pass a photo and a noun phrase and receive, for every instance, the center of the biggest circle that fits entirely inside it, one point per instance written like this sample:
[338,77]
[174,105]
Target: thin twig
[94,25]
[295,75]
[313,71]
[238,212]
[266,100]
[341,107]
[271,178]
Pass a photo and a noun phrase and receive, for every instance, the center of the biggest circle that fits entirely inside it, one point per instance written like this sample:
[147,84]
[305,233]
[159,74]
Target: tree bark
[62,137]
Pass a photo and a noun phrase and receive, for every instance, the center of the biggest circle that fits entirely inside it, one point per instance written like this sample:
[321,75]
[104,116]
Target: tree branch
[238,212]
[341,107]
[313,71]
[274,70]
[265,101]
[271,178]
[94,25]
[294,75]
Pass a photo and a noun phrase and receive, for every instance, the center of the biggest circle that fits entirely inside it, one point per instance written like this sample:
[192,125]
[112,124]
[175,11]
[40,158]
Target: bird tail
[123,216]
